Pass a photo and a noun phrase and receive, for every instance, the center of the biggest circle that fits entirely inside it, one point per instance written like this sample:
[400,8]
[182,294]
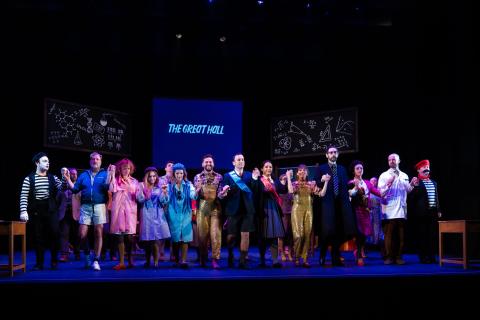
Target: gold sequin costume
[302,218]
[209,213]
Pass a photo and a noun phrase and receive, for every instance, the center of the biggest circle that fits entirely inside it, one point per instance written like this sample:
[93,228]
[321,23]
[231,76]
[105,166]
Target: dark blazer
[327,215]
[235,194]
[418,201]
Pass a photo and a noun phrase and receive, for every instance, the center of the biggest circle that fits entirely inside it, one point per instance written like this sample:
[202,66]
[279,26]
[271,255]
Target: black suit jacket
[235,194]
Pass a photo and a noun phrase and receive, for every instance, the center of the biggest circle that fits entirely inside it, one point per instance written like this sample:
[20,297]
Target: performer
[425,210]
[123,222]
[239,207]
[153,223]
[337,218]
[209,209]
[394,187]
[302,211]
[178,195]
[93,184]
[285,245]
[164,180]
[68,224]
[360,191]
[38,203]
[269,214]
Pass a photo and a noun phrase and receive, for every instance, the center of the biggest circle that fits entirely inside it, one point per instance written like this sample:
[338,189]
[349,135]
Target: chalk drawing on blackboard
[345,127]
[79,127]
[98,140]
[281,124]
[297,130]
[315,147]
[310,123]
[78,141]
[325,135]
[341,142]
[89,125]
[65,121]
[98,128]
[311,134]
[285,143]
[104,120]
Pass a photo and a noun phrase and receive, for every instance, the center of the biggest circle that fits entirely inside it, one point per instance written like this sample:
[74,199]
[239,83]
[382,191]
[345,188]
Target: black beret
[38,156]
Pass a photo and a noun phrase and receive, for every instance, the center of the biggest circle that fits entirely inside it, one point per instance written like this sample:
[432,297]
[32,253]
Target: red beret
[421,164]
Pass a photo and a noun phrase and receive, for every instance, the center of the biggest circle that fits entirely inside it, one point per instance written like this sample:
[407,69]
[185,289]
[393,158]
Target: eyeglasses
[332,152]
[179,195]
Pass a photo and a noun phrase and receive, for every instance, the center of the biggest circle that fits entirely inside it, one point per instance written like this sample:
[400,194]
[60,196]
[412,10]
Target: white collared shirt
[394,203]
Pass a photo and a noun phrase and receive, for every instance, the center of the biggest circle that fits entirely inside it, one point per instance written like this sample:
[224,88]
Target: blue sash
[239,182]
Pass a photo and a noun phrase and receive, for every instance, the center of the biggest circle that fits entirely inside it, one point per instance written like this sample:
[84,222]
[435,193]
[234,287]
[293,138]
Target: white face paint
[43,164]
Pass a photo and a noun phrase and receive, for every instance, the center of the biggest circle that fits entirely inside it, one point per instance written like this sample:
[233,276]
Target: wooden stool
[12,229]
[463,227]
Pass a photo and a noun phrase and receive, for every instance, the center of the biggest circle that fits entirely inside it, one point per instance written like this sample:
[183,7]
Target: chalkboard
[311,134]
[76,126]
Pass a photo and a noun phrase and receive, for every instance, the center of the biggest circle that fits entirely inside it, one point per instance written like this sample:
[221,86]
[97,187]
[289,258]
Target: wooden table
[12,229]
[463,227]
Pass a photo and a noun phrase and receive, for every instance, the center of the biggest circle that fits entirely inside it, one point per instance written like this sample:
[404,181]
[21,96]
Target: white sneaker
[96,266]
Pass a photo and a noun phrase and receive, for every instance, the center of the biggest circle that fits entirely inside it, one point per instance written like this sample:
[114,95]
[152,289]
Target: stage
[75,271]
[373,286]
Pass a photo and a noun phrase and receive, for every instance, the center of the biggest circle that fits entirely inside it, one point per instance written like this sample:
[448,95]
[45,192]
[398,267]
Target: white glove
[24,216]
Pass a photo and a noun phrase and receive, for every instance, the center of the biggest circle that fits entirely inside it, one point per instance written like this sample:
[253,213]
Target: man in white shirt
[394,186]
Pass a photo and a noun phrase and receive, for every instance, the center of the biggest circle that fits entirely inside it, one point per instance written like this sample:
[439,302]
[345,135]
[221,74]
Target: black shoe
[54,265]
[338,263]
[244,266]
[231,263]
[37,267]
[322,261]
[277,265]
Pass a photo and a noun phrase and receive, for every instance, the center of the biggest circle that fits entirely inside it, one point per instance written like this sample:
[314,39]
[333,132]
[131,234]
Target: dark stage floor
[374,291]
[74,271]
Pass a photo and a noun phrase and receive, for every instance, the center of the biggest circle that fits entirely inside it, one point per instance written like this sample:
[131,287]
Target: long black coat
[328,214]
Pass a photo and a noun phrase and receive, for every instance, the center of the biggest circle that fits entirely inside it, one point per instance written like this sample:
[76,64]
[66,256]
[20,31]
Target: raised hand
[289,173]
[224,190]
[111,168]
[414,181]
[255,173]
[66,174]
[164,188]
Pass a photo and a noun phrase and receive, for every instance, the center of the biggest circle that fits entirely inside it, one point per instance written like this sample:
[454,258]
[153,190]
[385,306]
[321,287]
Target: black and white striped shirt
[432,197]
[41,190]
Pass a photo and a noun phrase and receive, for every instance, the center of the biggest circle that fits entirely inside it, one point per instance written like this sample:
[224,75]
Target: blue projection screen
[185,130]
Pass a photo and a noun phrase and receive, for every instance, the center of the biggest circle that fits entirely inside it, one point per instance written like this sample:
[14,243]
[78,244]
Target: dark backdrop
[404,67]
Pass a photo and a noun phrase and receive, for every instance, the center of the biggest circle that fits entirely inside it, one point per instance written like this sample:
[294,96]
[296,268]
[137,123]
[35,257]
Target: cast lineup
[289,215]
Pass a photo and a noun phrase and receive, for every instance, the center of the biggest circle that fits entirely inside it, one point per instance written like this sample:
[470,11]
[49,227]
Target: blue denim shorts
[96,213]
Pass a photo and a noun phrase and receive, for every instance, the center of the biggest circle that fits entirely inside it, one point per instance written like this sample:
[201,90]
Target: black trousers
[426,235]
[45,232]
